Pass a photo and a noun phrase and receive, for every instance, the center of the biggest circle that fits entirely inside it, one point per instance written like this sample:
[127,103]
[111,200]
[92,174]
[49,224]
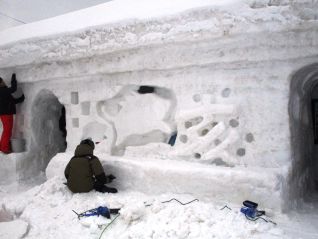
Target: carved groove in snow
[85,107]
[226,92]
[74,98]
[75,122]
[193,122]
[249,137]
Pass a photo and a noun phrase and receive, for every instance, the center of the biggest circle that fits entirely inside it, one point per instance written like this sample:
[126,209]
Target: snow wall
[228,82]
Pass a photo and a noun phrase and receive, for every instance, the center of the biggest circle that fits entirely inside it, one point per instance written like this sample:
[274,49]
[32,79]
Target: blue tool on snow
[250,210]
[99,211]
[251,213]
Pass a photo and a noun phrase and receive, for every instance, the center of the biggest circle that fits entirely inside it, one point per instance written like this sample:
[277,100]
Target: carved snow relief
[210,132]
[138,115]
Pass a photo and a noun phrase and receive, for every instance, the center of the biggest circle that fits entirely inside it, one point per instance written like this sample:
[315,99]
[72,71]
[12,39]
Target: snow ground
[45,211]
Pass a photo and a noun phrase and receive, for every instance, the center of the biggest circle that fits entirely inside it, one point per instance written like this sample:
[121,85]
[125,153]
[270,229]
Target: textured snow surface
[105,28]
[47,210]
[110,12]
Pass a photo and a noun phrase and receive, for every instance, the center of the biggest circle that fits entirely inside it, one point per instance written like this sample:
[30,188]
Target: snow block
[205,182]
[57,165]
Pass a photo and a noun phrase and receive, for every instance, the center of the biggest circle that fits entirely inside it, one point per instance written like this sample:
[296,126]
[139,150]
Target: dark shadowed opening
[48,133]
[303,112]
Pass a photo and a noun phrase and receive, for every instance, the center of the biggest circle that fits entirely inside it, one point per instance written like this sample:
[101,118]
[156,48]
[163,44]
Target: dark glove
[14,84]
[13,79]
[110,178]
[22,98]
[19,100]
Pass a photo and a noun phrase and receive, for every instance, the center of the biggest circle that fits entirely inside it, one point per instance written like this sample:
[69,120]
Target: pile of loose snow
[46,212]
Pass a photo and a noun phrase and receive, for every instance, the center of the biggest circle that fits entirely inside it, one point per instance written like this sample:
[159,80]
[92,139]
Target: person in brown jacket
[84,172]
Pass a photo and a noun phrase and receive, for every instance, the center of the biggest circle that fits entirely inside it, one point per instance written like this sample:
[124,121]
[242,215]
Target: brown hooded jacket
[83,169]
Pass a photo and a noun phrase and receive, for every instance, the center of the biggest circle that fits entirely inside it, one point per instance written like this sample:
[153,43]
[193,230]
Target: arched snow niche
[304,172]
[48,132]
[95,131]
[138,115]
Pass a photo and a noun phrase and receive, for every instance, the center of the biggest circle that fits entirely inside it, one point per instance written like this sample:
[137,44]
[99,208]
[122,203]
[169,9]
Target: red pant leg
[7,123]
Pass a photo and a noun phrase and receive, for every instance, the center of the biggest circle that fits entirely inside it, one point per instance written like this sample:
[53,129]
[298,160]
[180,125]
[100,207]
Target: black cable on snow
[181,202]
[253,218]
[256,218]
[17,20]
[78,215]
[225,207]
[148,205]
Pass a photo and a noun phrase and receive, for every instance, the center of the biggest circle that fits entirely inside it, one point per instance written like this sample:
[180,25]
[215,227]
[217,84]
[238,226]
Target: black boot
[100,187]
[106,189]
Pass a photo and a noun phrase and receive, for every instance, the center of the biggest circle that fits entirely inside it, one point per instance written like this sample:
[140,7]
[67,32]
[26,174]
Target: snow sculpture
[203,137]
[136,118]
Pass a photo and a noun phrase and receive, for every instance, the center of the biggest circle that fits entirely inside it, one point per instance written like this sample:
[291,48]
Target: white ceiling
[17,12]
